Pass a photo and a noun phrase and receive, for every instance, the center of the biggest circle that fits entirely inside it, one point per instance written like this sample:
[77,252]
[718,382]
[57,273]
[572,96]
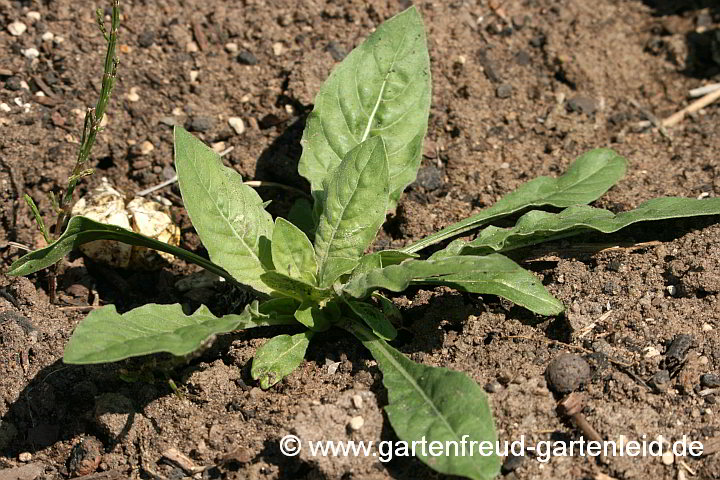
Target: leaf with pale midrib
[435,405]
[228,215]
[107,336]
[381,88]
[590,176]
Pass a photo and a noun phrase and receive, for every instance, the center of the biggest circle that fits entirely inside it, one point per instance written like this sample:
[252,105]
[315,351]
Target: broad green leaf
[355,199]
[301,215]
[490,274]
[294,288]
[280,310]
[538,226]
[82,230]
[107,336]
[278,357]
[228,215]
[367,264]
[431,404]
[292,252]
[590,176]
[373,318]
[381,88]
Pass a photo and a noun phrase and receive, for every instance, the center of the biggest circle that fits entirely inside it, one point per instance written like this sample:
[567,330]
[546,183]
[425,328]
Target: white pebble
[278,48]
[133,95]
[47,36]
[34,16]
[237,124]
[39,94]
[17,28]
[194,74]
[31,53]
[24,85]
[231,47]
[25,457]
[707,327]
[357,401]
[356,423]
[59,39]
[191,47]
[218,146]
[4,107]
[668,458]
[146,147]
[672,290]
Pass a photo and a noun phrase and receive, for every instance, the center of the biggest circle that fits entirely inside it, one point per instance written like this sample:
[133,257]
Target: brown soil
[512,100]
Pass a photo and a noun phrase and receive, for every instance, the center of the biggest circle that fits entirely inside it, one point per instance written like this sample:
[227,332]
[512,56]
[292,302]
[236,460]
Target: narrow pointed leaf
[82,230]
[393,257]
[381,88]
[228,215]
[356,197]
[431,404]
[490,274]
[292,252]
[374,318]
[589,177]
[278,357]
[538,226]
[107,336]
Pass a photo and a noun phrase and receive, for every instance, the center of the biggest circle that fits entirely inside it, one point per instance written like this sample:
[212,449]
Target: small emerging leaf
[313,317]
[590,176]
[107,336]
[374,318]
[355,200]
[278,357]
[292,252]
[228,215]
[435,405]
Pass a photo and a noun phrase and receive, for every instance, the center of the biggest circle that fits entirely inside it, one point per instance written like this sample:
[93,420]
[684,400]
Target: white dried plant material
[106,204]
[153,220]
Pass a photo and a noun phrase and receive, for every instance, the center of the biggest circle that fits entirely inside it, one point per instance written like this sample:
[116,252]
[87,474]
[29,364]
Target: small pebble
[58,39]
[133,95]
[146,147]
[13,83]
[231,47]
[194,74]
[493,387]
[504,91]
[660,381]
[582,104]
[710,380]
[218,146]
[31,52]
[356,423]
[200,124]
[278,48]
[191,47]
[247,58]
[4,107]
[357,401]
[567,372]
[47,36]
[146,39]
[34,16]
[672,290]
[237,124]
[17,28]
[706,327]
[668,458]
[25,457]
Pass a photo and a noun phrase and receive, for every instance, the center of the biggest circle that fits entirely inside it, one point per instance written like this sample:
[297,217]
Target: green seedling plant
[362,146]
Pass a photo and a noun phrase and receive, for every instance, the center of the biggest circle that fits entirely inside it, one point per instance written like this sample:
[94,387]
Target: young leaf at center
[356,196]
[292,252]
